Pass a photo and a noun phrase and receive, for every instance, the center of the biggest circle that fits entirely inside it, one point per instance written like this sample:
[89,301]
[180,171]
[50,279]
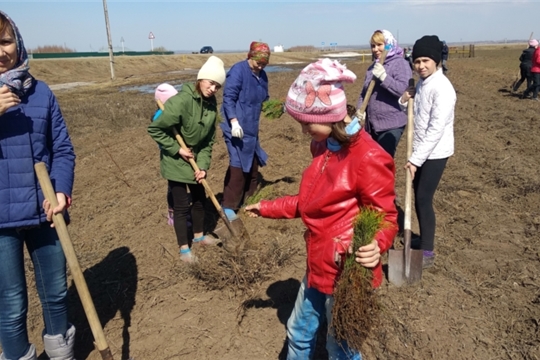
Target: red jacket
[536,61]
[332,189]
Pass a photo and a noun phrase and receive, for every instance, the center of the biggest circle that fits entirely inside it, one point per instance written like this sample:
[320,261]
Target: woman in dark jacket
[32,130]
[525,65]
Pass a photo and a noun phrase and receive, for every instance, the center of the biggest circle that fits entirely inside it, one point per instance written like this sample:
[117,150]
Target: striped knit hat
[317,95]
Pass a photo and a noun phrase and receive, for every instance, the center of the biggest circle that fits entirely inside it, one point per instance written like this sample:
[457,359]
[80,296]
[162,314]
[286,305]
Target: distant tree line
[160,49]
[52,49]
[303,48]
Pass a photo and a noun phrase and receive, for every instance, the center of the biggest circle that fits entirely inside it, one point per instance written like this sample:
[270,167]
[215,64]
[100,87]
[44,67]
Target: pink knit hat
[533,42]
[317,96]
[164,92]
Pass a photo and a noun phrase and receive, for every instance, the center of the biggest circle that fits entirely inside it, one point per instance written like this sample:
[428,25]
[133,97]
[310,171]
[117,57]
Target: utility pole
[111,55]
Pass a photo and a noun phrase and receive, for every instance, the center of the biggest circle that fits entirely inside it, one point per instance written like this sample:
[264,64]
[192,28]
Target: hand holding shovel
[360,112]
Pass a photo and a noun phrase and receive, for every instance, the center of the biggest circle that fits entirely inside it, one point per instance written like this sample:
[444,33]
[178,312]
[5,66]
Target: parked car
[207,50]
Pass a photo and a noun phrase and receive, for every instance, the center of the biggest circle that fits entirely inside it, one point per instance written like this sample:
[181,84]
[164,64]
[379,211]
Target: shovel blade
[398,271]
[234,241]
[396,267]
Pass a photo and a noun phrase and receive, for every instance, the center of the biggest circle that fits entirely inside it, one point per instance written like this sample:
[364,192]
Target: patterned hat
[259,51]
[18,78]
[317,95]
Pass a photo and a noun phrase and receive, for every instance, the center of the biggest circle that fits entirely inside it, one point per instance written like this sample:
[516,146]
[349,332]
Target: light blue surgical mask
[351,129]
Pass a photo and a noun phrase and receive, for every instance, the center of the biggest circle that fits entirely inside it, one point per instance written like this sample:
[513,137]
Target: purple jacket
[383,111]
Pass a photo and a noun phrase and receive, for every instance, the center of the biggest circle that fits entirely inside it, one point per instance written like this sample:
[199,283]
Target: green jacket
[194,117]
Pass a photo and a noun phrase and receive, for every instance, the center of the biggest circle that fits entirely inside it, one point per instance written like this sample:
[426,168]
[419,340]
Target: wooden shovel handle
[408,177]
[371,85]
[73,263]
[203,181]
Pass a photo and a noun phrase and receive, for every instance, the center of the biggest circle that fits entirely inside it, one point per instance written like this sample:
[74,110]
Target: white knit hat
[212,69]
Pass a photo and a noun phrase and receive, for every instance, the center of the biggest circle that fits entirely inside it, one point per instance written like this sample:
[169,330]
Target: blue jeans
[388,139]
[310,307]
[49,262]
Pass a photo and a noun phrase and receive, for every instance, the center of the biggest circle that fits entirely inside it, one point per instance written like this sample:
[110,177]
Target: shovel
[73,263]
[371,85]
[405,266]
[236,228]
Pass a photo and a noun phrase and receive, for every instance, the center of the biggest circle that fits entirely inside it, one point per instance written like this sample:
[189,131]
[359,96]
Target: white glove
[236,130]
[379,72]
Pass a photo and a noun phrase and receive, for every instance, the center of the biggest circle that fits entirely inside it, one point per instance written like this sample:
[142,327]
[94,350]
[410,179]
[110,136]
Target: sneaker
[535,99]
[230,213]
[187,256]
[206,240]
[428,260]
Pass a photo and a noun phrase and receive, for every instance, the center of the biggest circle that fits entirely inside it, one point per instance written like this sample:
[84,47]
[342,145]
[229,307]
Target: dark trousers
[425,183]
[525,72]
[445,66]
[388,139]
[534,87]
[239,185]
[181,209]
[170,201]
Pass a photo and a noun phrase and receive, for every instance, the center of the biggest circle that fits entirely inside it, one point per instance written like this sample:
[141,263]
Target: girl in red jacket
[349,170]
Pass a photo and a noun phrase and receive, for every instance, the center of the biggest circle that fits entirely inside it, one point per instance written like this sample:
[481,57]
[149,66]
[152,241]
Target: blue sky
[227,25]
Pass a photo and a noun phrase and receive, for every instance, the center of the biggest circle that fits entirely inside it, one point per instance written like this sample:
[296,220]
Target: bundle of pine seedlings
[273,108]
[356,307]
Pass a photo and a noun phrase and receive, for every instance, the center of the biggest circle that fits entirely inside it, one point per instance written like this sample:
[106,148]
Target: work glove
[236,130]
[379,72]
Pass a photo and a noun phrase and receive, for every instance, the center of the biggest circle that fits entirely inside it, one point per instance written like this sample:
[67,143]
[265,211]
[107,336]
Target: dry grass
[217,269]
[57,71]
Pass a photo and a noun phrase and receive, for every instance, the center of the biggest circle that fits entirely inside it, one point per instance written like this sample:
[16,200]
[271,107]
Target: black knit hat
[428,46]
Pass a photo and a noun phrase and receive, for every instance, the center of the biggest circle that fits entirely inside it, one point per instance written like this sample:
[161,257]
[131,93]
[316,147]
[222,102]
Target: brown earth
[480,301]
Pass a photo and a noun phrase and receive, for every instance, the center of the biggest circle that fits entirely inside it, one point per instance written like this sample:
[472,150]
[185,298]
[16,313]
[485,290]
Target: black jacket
[526,56]
[444,53]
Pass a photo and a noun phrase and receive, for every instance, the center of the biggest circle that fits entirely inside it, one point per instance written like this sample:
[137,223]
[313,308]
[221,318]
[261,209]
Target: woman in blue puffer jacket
[32,130]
